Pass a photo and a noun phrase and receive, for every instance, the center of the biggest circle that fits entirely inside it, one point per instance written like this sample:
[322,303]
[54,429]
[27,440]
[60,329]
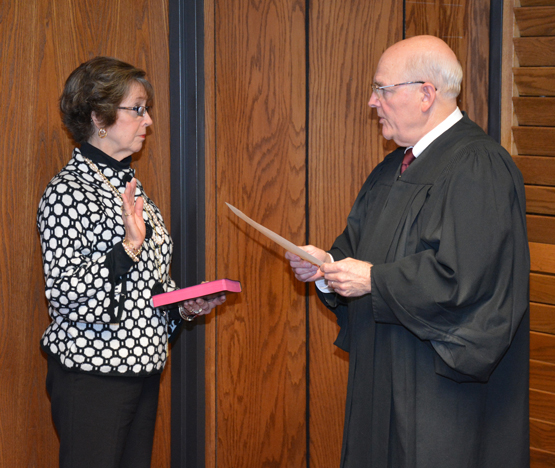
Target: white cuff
[322,284]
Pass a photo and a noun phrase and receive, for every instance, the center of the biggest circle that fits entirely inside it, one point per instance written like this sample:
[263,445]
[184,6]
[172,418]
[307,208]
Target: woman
[106,251]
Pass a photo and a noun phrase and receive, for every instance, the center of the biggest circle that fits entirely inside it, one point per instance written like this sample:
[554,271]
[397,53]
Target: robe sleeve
[347,243]
[466,289]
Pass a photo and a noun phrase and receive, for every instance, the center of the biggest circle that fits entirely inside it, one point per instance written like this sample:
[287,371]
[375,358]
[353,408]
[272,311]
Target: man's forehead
[388,69]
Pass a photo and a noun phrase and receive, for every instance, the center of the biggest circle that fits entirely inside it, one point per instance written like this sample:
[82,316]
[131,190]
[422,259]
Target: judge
[429,282]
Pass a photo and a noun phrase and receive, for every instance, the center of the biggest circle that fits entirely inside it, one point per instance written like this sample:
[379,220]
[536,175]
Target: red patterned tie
[409,157]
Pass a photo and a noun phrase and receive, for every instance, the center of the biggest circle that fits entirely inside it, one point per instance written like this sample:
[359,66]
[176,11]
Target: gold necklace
[157,229]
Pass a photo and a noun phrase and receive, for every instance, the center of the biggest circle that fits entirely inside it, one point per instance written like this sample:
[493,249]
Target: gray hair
[445,75]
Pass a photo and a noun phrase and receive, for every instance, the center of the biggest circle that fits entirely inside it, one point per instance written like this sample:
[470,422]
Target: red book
[205,290]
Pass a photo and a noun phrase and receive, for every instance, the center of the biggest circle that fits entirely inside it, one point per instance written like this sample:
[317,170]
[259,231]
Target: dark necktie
[409,157]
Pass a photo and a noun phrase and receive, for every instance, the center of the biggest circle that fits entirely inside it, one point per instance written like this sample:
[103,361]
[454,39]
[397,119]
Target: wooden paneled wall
[289,140]
[255,151]
[344,145]
[529,131]
[464,25]
[42,42]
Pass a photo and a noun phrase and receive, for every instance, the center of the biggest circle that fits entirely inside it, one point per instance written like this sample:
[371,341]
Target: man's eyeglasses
[376,88]
[140,110]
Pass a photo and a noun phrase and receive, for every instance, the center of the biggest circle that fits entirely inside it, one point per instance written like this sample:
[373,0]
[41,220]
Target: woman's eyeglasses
[140,110]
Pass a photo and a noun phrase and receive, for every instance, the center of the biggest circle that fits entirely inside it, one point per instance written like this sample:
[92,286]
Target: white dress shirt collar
[427,139]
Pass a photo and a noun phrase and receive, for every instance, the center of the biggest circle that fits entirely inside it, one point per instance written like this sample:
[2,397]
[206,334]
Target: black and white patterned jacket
[99,299]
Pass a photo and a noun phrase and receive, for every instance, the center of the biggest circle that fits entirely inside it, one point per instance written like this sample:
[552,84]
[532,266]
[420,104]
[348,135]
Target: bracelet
[183,313]
[130,250]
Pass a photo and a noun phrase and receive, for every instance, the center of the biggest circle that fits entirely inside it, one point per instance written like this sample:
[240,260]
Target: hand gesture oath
[132,215]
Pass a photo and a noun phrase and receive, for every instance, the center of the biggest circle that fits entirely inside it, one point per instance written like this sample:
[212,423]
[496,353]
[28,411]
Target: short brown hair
[98,85]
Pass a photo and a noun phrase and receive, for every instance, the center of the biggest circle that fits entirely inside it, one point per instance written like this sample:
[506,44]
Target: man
[429,282]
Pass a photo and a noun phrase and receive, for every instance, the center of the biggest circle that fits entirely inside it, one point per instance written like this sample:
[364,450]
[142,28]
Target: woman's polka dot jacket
[99,300]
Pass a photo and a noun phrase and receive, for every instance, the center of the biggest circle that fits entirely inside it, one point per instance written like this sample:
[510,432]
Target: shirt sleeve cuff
[322,284]
[117,261]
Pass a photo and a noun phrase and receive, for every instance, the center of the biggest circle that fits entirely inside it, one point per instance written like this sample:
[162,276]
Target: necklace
[158,231]
[158,235]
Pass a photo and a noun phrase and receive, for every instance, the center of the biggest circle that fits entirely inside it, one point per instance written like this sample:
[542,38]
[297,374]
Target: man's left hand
[348,277]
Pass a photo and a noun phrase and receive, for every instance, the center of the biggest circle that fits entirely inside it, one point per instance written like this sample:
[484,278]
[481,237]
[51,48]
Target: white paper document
[287,245]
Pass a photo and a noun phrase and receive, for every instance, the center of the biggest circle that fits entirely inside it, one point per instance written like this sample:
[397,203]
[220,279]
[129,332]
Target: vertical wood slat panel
[542,257]
[541,229]
[464,25]
[542,318]
[536,21]
[258,158]
[541,459]
[535,141]
[534,3]
[535,51]
[542,347]
[42,42]
[536,170]
[542,376]
[540,200]
[535,111]
[542,435]
[535,81]
[542,406]
[533,76]
[542,288]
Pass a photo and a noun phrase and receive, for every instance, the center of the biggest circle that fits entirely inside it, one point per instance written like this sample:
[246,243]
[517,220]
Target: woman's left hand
[200,306]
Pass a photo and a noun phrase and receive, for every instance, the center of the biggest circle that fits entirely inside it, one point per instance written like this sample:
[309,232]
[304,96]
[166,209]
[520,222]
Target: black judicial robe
[438,352]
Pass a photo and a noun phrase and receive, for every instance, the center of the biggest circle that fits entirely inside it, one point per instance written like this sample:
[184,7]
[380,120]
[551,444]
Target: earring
[102,132]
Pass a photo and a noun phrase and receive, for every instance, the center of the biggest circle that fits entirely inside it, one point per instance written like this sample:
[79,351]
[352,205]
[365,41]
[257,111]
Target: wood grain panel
[535,141]
[542,435]
[535,51]
[542,347]
[42,42]
[542,318]
[541,229]
[535,111]
[540,200]
[535,81]
[529,3]
[542,405]
[464,25]
[542,376]
[536,21]
[259,163]
[255,160]
[345,144]
[541,459]
[536,170]
[528,47]
[542,257]
[211,231]
[542,288]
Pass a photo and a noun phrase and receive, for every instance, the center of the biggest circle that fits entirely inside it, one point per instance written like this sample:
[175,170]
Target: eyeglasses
[140,110]
[376,88]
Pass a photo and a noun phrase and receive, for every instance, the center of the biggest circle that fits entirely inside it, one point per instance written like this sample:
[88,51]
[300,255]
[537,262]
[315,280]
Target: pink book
[204,290]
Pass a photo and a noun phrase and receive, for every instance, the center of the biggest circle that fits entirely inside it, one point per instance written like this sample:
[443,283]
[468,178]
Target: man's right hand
[306,271]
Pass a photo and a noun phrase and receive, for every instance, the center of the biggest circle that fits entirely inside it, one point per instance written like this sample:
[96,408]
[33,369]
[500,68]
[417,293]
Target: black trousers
[103,421]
